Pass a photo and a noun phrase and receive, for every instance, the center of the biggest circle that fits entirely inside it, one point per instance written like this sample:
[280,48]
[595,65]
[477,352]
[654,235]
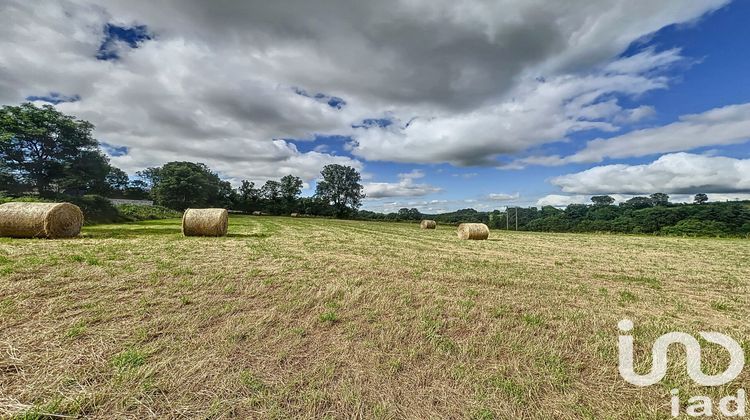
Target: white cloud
[559,200]
[216,82]
[534,113]
[406,187]
[562,200]
[716,127]
[681,173]
[504,196]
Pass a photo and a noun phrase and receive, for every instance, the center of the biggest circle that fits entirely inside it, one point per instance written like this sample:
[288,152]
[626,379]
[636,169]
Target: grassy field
[313,318]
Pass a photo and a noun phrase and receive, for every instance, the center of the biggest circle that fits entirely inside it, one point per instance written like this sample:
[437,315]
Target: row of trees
[653,214]
[46,153]
[642,202]
[179,185]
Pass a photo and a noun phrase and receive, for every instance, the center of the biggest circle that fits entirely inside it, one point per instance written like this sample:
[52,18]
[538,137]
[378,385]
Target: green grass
[316,318]
[129,359]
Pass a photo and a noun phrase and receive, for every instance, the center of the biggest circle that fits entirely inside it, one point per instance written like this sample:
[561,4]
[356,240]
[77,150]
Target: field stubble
[320,318]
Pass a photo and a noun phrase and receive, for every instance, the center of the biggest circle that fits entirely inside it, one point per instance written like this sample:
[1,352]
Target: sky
[440,104]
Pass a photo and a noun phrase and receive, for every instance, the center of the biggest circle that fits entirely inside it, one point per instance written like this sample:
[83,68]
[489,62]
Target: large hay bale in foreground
[474,231]
[205,222]
[40,220]
[428,224]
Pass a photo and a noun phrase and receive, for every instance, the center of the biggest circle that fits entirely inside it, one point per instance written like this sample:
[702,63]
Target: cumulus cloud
[679,173]
[560,200]
[536,112]
[504,196]
[220,82]
[716,127]
[406,187]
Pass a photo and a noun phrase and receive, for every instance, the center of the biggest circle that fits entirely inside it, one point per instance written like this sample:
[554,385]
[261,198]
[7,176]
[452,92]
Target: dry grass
[312,318]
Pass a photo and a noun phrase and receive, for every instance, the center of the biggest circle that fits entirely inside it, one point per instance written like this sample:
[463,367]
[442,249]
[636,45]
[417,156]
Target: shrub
[134,213]
[96,209]
[4,199]
[695,227]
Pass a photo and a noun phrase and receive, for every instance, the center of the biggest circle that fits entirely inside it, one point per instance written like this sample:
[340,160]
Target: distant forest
[644,215]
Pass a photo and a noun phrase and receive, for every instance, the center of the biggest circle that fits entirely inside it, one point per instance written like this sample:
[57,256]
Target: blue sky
[485,106]
[715,74]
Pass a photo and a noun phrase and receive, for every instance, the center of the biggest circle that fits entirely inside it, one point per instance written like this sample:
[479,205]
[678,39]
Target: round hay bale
[474,231]
[428,224]
[40,220]
[205,222]
[295,214]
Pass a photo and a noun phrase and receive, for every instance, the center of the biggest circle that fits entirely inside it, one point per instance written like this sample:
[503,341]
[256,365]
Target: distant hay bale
[474,231]
[205,222]
[295,214]
[428,224]
[40,220]
[257,213]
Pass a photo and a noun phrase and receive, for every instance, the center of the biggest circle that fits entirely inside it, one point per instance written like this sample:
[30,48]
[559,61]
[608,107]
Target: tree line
[180,185]
[50,155]
[653,214]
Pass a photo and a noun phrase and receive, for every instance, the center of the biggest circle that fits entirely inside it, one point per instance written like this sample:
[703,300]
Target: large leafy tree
[291,189]
[638,202]
[271,191]
[180,185]
[8,183]
[117,181]
[248,196]
[700,198]
[659,199]
[49,151]
[341,188]
[602,200]
[271,194]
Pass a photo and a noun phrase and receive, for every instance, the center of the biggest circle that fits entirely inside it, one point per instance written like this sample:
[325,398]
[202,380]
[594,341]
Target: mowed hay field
[314,318]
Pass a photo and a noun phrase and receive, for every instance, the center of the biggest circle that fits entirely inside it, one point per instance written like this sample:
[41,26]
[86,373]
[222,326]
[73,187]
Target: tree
[602,200]
[48,150]
[576,211]
[249,196]
[341,188]
[271,190]
[117,180]
[271,193]
[638,203]
[700,198]
[179,185]
[409,214]
[291,188]
[137,190]
[8,183]
[659,199]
